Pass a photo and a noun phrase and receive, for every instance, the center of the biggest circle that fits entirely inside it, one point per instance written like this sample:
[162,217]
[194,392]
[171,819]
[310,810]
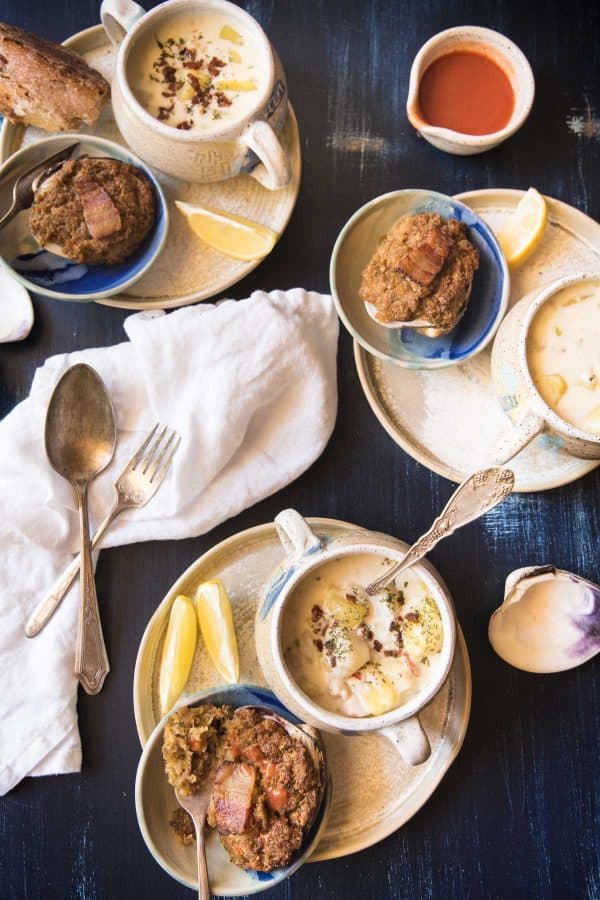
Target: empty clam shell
[549,620]
[16,310]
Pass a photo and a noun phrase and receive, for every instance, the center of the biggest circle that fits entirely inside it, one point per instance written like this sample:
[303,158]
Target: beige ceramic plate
[374,792]
[187,270]
[450,420]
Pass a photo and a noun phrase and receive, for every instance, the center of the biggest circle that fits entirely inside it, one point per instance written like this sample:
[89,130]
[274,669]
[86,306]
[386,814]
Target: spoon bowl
[80,438]
[80,429]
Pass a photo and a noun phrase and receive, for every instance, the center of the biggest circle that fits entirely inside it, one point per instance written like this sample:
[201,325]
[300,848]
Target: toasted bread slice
[46,85]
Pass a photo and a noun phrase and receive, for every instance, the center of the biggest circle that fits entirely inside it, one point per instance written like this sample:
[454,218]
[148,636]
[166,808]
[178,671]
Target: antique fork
[135,486]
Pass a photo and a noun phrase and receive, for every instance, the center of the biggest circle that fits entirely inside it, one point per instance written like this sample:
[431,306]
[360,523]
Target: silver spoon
[475,496]
[80,442]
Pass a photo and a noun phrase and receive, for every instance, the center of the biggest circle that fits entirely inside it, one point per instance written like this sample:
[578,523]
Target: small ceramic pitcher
[306,551]
[516,390]
[489,43]
[249,144]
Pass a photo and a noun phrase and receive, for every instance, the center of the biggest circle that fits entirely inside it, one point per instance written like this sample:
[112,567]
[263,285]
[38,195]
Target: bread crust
[47,85]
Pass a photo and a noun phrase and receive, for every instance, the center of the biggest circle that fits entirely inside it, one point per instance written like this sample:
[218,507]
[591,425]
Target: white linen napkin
[251,388]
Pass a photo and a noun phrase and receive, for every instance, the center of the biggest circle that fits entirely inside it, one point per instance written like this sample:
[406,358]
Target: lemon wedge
[524,230]
[216,624]
[178,652]
[232,235]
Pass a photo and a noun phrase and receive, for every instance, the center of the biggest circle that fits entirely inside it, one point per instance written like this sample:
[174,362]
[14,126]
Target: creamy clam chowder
[563,354]
[357,655]
[197,71]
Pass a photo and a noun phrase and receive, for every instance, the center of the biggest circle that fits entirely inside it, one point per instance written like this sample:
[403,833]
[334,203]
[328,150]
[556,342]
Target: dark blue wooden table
[518,814]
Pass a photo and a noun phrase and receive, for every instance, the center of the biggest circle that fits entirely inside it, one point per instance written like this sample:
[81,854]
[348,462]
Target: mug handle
[295,535]
[274,170]
[519,436]
[410,740]
[118,17]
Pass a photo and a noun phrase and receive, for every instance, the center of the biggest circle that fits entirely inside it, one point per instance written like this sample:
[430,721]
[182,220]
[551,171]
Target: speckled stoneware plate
[155,803]
[187,270]
[450,420]
[374,792]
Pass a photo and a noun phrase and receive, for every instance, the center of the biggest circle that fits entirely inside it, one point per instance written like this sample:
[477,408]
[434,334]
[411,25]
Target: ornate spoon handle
[48,606]
[475,496]
[91,660]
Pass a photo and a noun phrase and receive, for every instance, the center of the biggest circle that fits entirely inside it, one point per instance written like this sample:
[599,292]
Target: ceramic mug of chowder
[546,369]
[198,92]
[345,662]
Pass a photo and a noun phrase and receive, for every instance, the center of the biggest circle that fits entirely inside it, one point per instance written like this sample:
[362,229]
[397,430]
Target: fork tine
[140,450]
[152,451]
[159,473]
[153,469]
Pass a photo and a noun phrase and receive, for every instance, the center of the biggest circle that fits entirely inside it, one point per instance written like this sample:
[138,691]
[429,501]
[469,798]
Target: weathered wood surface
[518,815]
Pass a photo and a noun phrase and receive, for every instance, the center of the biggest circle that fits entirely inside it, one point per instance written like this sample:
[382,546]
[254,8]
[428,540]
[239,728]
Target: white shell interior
[16,309]
[546,623]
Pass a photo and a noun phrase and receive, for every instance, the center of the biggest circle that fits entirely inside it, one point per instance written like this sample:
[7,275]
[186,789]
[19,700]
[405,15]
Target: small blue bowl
[45,273]
[356,244]
[155,802]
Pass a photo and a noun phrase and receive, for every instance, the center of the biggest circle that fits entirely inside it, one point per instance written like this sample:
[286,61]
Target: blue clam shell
[252,695]
[57,277]
[227,879]
[489,295]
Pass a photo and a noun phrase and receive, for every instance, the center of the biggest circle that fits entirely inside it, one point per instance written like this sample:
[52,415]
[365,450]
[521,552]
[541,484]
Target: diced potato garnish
[204,79]
[234,84]
[234,56]
[592,421]
[376,692]
[349,651]
[551,387]
[426,634]
[230,34]
[347,613]
[187,92]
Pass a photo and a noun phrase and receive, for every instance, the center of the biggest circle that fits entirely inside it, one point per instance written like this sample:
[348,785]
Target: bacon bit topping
[193,64]
[165,111]
[232,796]
[100,214]
[412,616]
[316,613]
[215,65]
[377,645]
[393,653]
[318,644]
[169,73]
[422,263]
[184,126]
[222,100]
